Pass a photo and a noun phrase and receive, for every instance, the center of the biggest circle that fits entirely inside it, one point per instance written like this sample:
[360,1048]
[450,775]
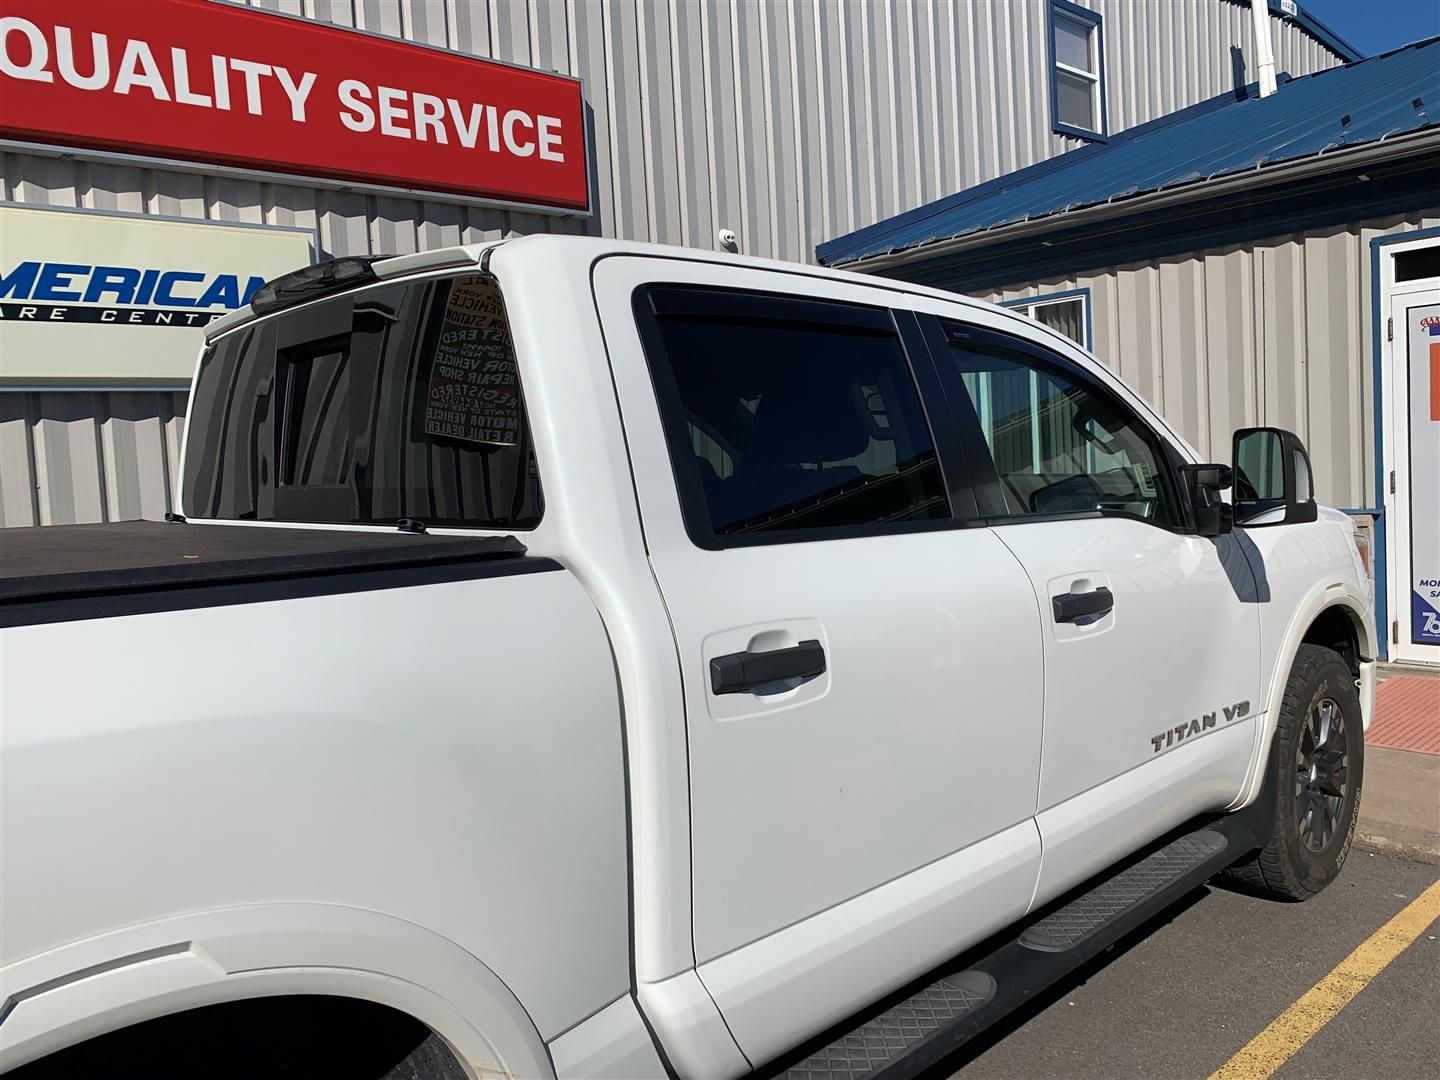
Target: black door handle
[742,671]
[1072,607]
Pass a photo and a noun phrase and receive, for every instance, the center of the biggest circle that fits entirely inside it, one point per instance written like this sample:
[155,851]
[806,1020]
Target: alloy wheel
[1321,762]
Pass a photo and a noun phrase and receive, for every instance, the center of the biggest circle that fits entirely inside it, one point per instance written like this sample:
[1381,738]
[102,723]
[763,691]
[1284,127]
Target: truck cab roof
[584,248]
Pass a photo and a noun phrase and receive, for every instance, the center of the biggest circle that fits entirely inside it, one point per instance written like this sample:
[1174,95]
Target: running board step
[869,1048]
[1088,914]
[919,1031]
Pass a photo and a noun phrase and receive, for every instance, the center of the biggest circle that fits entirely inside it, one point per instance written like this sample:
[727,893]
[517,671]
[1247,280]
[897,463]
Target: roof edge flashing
[1010,181]
[1426,139]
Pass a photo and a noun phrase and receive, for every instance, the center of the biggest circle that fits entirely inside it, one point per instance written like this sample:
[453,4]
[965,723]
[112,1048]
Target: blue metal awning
[1393,94]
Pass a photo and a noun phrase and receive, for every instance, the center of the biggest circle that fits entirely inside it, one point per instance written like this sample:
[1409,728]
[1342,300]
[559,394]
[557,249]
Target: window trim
[1065,9]
[985,479]
[1024,304]
[760,305]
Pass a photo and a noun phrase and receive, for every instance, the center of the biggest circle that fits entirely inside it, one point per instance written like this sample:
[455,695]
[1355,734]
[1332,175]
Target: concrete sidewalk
[1400,803]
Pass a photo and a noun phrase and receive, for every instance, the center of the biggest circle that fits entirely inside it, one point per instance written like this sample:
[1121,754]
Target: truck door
[861,671]
[1151,633]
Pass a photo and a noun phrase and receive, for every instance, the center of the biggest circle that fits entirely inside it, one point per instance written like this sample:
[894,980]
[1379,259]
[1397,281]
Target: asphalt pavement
[1178,998]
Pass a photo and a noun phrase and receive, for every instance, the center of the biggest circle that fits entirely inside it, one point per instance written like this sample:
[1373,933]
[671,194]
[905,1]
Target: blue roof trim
[1394,94]
[1198,224]
[940,207]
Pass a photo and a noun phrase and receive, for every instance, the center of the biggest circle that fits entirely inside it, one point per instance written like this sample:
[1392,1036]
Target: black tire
[1319,749]
[279,1038]
[431,1060]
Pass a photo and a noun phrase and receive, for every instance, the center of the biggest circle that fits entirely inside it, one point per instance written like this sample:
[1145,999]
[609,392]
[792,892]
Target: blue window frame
[1077,72]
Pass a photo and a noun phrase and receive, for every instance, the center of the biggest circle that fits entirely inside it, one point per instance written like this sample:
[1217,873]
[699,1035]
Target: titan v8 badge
[1198,726]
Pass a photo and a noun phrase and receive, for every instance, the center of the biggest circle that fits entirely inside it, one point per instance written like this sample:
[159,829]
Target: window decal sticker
[474,392]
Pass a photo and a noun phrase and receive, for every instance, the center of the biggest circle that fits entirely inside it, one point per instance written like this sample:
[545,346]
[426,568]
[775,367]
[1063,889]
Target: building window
[1066,313]
[1077,72]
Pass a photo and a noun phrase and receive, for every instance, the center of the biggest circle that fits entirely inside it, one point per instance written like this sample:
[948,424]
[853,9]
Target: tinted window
[1059,443]
[1066,317]
[1420,263]
[779,423]
[396,401]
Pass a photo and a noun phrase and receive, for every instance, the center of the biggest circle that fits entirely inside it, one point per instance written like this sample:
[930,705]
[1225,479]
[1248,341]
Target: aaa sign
[217,83]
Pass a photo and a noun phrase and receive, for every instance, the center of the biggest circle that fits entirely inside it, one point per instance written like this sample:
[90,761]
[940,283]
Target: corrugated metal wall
[789,121]
[1179,52]
[1275,332]
[68,457]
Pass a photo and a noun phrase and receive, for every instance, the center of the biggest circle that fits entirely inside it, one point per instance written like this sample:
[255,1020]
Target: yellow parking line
[1292,1029]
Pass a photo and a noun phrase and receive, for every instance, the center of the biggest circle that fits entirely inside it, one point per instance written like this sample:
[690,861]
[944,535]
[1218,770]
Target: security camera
[727,239]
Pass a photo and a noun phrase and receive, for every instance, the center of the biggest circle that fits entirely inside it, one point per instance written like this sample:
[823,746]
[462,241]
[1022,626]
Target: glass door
[1414,530]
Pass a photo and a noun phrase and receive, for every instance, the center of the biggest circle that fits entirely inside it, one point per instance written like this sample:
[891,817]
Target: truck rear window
[397,401]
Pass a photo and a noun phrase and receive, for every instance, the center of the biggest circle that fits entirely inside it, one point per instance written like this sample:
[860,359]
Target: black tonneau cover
[63,561]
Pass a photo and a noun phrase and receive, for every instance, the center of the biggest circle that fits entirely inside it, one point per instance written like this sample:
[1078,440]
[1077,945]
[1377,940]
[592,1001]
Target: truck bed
[302,725]
[61,572]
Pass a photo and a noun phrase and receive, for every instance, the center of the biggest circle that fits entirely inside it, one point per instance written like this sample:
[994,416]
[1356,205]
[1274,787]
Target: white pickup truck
[588,659]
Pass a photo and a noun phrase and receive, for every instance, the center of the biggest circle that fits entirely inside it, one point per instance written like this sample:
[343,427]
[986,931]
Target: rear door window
[787,419]
[392,402]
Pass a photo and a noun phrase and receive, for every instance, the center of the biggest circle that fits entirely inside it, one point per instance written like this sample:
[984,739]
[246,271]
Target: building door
[1413,494]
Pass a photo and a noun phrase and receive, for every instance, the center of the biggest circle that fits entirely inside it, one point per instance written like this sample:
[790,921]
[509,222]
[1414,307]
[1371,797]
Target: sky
[1376,26]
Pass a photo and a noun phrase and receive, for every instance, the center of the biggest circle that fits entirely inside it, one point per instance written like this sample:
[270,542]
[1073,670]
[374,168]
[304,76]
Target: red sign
[211,82]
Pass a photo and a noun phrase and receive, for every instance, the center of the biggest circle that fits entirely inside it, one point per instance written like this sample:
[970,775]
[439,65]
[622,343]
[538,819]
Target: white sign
[107,299]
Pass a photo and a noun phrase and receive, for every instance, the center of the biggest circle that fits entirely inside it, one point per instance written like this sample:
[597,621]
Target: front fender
[1321,597]
[64,996]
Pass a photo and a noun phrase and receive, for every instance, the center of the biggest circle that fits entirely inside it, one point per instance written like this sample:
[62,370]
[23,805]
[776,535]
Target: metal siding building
[788,121]
[1244,297]
[1265,333]
[108,455]
[1251,260]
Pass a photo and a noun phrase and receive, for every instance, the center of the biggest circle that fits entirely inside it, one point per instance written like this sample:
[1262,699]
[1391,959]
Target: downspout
[1264,54]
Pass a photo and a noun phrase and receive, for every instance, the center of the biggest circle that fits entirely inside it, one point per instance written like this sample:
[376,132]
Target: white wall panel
[18,495]
[73,457]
